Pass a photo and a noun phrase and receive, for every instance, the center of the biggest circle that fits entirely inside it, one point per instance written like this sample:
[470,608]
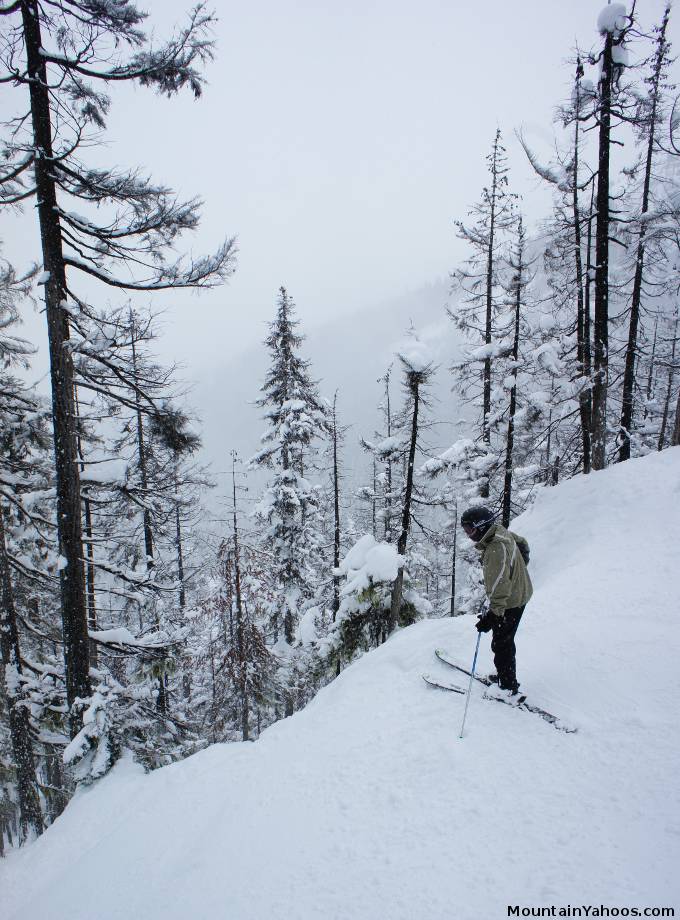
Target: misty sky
[338,141]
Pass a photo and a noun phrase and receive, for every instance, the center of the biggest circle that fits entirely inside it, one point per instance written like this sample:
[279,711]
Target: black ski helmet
[479,517]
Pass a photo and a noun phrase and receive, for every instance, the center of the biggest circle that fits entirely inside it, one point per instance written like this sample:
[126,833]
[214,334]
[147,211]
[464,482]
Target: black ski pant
[503,647]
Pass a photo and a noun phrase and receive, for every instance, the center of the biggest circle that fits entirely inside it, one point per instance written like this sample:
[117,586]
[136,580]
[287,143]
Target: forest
[127,624]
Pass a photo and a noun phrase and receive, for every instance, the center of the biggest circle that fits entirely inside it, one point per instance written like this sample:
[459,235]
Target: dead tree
[417,374]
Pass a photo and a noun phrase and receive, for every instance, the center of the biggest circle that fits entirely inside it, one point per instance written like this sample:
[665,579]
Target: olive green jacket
[506,578]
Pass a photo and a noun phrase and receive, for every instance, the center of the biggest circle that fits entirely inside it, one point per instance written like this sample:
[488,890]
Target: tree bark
[90,572]
[486,408]
[582,323]
[336,512]
[675,439]
[141,451]
[397,588]
[452,609]
[240,638]
[631,348]
[601,330]
[388,464]
[69,528]
[669,391]
[507,485]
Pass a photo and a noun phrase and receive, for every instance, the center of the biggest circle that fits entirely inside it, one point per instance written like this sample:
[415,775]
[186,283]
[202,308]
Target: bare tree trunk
[178,545]
[669,390]
[631,349]
[19,725]
[453,564]
[336,511]
[162,701]
[652,359]
[90,572]
[486,408]
[601,330]
[186,674]
[587,340]
[73,612]
[507,485]
[582,325]
[675,440]
[373,504]
[240,638]
[141,449]
[388,464]
[397,588]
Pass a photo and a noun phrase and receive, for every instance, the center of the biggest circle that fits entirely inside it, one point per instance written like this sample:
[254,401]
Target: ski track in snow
[367,805]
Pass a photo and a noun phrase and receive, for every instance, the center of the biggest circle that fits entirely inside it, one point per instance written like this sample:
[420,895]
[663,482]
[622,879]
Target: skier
[505,556]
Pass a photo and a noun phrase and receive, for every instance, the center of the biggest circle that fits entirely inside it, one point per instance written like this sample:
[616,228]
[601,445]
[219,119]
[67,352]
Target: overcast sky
[338,141]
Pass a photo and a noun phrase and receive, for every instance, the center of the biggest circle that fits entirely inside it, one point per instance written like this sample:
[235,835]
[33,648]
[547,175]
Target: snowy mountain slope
[366,804]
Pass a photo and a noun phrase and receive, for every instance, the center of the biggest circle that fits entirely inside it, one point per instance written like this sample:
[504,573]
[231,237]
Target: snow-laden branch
[206,271]
[167,69]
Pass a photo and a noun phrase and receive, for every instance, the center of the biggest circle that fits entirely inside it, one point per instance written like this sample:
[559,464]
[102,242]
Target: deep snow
[366,804]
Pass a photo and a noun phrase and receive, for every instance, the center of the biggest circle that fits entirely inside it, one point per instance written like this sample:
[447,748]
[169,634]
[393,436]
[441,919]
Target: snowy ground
[366,805]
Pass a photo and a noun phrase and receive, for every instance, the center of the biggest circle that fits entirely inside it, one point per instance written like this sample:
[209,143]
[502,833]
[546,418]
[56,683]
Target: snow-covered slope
[367,805]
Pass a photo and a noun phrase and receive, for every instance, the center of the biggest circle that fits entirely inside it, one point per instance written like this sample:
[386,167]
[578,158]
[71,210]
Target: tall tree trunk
[240,636]
[601,330]
[397,588]
[675,439]
[373,504]
[587,338]
[669,390]
[452,609]
[582,325]
[652,365]
[141,449]
[631,348]
[73,612]
[178,544]
[388,464]
[510,441]
[90,572]
[19,726]
[186,673]
[162,701]
[336,512]
[486,408]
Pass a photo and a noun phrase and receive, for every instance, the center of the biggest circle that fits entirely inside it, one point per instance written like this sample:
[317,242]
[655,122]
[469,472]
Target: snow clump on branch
[613,18]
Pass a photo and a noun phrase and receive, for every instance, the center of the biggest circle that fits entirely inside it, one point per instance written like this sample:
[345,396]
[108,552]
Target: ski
[442,685]
[519,703]
[442,656]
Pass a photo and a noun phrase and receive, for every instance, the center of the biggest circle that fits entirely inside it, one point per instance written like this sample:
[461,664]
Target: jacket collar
[487,538]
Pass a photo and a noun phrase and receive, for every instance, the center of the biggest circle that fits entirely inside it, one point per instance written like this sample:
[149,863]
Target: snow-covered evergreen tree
[289,508]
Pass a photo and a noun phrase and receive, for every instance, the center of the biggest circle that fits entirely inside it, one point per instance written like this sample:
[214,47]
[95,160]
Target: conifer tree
[23,471]
[290,506]
[57,56]
[478,281]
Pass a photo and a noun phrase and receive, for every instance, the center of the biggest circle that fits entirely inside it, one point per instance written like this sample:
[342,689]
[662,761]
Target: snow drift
[366,804]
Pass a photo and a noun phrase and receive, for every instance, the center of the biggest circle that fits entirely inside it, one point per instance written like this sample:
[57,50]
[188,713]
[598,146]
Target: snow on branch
[613,18]
[167,69]
[545,172]
[205,271]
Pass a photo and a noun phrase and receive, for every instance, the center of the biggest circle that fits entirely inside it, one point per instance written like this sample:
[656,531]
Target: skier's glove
[485,622]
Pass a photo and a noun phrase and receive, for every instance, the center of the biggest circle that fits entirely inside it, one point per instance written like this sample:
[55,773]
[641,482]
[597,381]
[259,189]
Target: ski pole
[472,677]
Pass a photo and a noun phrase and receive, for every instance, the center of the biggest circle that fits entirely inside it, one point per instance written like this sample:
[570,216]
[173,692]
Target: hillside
[367,805]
